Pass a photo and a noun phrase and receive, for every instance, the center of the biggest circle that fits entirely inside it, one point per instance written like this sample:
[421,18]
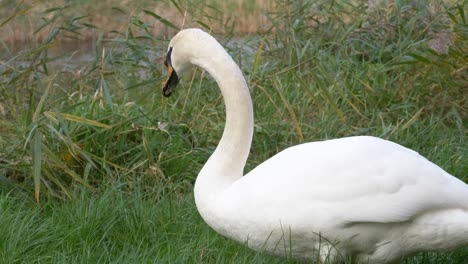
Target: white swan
[364,196]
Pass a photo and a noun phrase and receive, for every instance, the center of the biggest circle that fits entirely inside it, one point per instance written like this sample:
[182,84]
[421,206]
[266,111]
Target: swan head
[187,48]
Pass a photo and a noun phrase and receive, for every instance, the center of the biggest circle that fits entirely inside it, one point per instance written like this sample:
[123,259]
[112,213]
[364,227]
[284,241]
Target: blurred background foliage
[80,100]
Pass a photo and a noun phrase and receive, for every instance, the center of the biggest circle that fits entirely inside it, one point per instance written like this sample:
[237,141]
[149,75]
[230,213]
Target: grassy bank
[113,227]
[117,226]
[112,163]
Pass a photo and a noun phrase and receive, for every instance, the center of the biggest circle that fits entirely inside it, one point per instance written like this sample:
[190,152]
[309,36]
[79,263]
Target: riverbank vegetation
[96,166]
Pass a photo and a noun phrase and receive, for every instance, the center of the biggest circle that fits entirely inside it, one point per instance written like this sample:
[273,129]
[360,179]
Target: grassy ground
[116,226]
[112,163]
[113,227]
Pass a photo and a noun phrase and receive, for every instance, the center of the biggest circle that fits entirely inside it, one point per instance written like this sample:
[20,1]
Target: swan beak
[171,81]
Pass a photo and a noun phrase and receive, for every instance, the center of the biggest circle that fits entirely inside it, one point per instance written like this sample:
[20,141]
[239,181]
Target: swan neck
[226,164]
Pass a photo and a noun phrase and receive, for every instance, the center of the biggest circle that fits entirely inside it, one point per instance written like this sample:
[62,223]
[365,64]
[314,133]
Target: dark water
[69,54]
[72,55]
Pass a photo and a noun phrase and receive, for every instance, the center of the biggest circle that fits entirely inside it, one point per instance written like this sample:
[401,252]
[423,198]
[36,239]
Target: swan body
[361,196]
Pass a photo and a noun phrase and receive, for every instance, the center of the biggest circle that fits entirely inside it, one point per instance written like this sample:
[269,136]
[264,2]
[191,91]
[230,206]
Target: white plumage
[364,196]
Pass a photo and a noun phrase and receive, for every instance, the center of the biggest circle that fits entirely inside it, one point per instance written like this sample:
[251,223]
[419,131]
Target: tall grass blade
[333,104]
[148,150]
[412,119]
[53,178]
[258,56]
[139,84]
[77,119]
[107,93]
[177,6]
[37,163]
[15,13]
[40,105]
[293,116]
[420,58]
[59,164]
[461,12]
[161,19]
[53,9]
[118,9]
[204,25]
[53,34]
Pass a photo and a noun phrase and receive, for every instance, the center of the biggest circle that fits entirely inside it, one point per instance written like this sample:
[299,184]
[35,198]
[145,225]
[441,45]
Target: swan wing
[355,179]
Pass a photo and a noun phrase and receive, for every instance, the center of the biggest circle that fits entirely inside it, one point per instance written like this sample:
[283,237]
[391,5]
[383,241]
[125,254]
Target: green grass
[117,226]
[113,227]
[112,163]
